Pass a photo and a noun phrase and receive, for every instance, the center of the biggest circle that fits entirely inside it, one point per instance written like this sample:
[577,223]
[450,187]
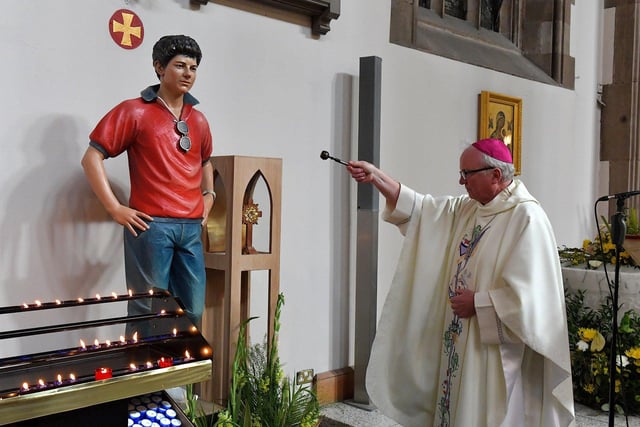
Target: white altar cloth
[595,283]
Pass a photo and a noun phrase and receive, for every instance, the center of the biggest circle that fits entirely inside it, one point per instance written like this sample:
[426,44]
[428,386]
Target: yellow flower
[633,352]
[589,388]
[586,243]
[587,334]
[606,247]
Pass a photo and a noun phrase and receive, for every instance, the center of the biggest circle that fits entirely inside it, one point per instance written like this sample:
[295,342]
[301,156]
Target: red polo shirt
[165,180]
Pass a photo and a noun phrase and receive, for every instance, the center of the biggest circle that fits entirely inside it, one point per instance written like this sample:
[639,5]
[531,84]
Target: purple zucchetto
[494,148]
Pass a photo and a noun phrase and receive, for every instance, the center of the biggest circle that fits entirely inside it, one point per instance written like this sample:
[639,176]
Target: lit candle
[72,377]
[103,373]
[96,343]
[82,345]
[98,297]
[58,302]
[150,291]
[133,367]
[114,295]
[135,337]
[58,380]
[25,305]
[38,303]
[130,292]
[80,299]
[25,386]
[187,355]
[41,383]
[175,332]
[122,340]
[149,365]
[108,343]
[165,362]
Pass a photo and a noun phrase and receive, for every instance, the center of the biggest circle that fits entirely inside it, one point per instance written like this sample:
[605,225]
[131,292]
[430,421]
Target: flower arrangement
[260,395]
[597,251]
[590,345]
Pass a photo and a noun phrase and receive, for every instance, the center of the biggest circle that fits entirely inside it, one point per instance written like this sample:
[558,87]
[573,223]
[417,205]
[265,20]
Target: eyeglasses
[464,173]
[185,141]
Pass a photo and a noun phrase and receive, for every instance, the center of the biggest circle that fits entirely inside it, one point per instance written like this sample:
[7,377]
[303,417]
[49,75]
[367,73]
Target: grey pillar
[620,117]
[367,228]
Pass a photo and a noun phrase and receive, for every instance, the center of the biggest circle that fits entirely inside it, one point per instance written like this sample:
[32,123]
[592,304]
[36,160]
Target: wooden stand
[230,256]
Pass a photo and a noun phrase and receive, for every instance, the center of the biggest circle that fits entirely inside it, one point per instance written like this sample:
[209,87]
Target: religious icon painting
[501,118]
[126,29]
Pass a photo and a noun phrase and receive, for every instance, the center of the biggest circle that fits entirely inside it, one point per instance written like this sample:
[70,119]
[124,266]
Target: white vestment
[506,366]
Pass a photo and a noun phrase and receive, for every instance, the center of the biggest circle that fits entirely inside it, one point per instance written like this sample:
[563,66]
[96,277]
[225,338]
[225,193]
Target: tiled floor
[342,414]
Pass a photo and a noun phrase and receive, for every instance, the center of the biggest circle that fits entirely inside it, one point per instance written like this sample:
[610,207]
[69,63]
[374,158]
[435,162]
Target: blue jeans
[167,256]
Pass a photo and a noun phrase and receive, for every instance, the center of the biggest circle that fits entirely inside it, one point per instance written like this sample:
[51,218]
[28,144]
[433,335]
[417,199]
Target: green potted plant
[261,395]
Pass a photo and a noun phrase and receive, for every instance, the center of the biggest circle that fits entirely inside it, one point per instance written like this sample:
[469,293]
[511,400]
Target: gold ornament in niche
[251,213]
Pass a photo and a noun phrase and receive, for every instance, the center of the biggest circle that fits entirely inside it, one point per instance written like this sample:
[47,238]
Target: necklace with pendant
[181,126]
[171,110]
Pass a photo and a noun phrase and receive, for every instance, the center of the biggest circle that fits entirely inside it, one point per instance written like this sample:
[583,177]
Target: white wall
[269,89]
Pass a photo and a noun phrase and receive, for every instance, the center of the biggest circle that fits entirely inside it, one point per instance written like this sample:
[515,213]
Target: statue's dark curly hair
[169,46]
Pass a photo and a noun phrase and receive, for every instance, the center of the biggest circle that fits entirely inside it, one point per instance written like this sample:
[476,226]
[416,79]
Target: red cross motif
[126,29]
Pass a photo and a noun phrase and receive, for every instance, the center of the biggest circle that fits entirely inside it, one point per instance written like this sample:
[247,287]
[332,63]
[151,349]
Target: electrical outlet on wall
[304,377]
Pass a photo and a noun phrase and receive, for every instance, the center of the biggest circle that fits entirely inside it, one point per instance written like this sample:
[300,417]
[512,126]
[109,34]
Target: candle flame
[80,299]
[25,305]
[41,382]
[108,343]
[59,378]
[114,295]
[135,336]
[98,297]
[187,355]
[163,311]
[150,291]
[149,365]
[25,386]
[58,302]
[82,344]
[72,377]
[122,340]
[133,367]
[175,332]
[130,293]
[96,342]
[206,351]
[38,303]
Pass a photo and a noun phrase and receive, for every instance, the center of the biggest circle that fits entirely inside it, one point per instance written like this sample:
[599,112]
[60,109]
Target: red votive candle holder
[103,373]
[165,362]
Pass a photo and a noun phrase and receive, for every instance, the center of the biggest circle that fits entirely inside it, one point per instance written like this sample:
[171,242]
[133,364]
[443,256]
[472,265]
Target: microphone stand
[618,231]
